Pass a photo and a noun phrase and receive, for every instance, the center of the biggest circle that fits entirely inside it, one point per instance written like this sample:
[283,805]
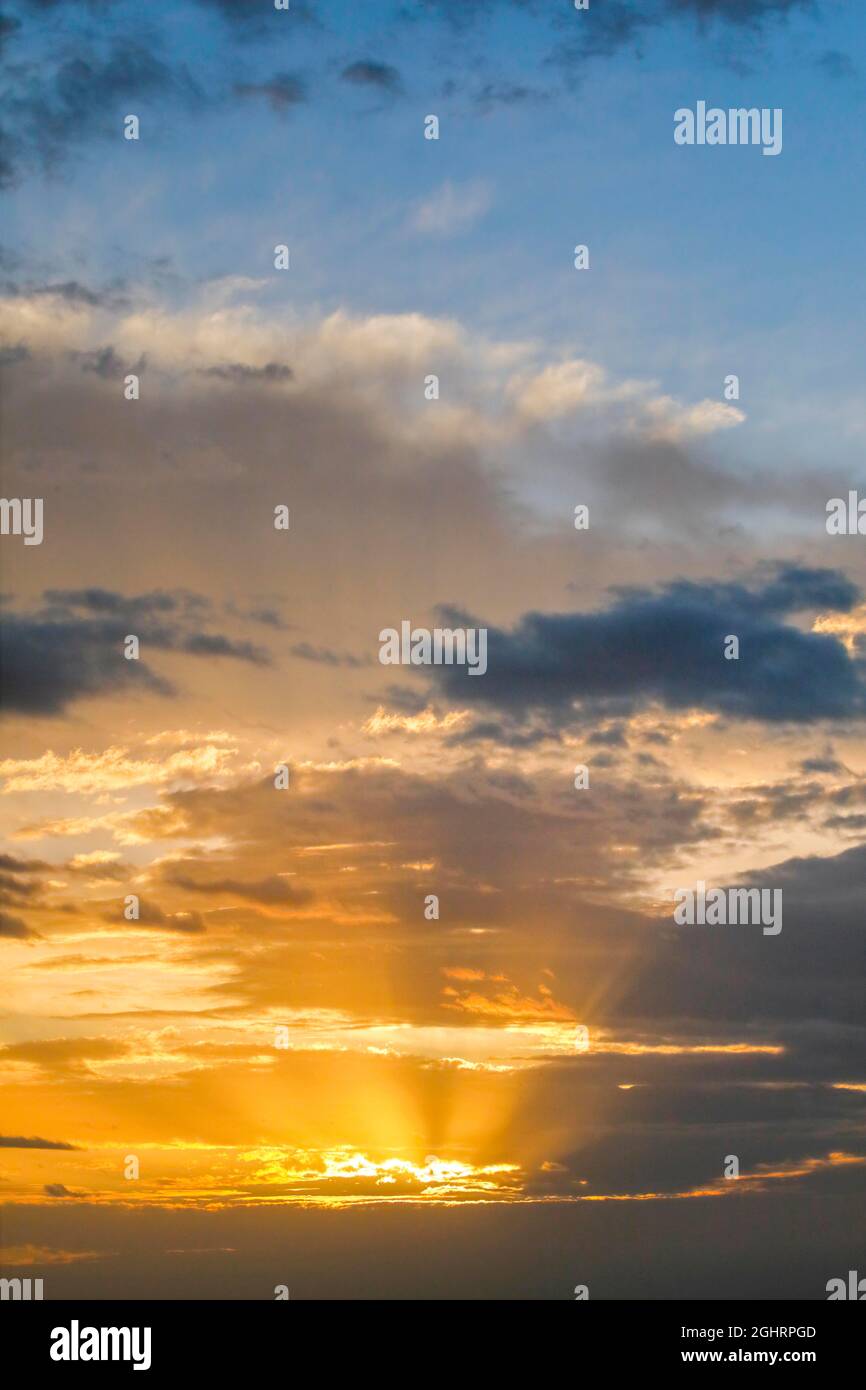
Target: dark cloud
[9,25]
[150,914]
[610,738]
[325,656]
[268,617]
[852,825]
[9,356]
[273,890]
[9,863]
[19,888]
[12,1141]
[46,665]
[808,977]
[241,375]
[667,646]
[212,644]
[13,927]
[463,12]
[262,613]
[72,291]
[827,764]
[509,734]
[73,647]
[47,112]
[737,11]
[610,16]
[836,65]
[365,73]
[253,15]
[612,27]
[12,890]
[283,91]
[494,94]
[404,699]
[50,109]
[65,1054]
[56,4]
[105,362]
[97,600]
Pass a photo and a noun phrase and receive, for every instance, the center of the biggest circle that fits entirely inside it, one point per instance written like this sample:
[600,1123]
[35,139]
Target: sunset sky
[541,1087]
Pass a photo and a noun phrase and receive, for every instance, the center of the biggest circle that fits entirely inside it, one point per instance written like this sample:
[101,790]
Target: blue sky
[703,261]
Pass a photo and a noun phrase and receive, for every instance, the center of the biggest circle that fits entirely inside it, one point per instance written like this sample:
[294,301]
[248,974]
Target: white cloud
[451,209]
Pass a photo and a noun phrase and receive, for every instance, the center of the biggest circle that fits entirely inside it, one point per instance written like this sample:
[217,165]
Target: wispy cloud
[452,209]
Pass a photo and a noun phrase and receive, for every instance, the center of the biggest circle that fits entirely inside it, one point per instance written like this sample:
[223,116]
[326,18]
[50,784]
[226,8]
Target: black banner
[67,1339]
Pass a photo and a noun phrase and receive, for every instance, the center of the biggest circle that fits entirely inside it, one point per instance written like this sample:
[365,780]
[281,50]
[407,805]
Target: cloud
[9,863]
[826,764]
[324,656]
[812,982]
[619,17]
[73,647]
[668,646]
[493,94]
[112,769]
[241,375]
[365,73]
[9,356]
[282,91]
[23,1256]
[14,928]
[256,19]
[150,914]
[9,25]
[464,12]
[48,665]
[503,388]
[453,208]
[12,1141]
[615,26]
[737,11]
[49,110]
[836,65]
[53,107]
[72,291]
[106,363]
[272,891]
[574,386]
[65,1055]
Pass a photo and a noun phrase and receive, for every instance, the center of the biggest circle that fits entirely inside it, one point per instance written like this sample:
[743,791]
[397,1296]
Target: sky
[291,1069]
